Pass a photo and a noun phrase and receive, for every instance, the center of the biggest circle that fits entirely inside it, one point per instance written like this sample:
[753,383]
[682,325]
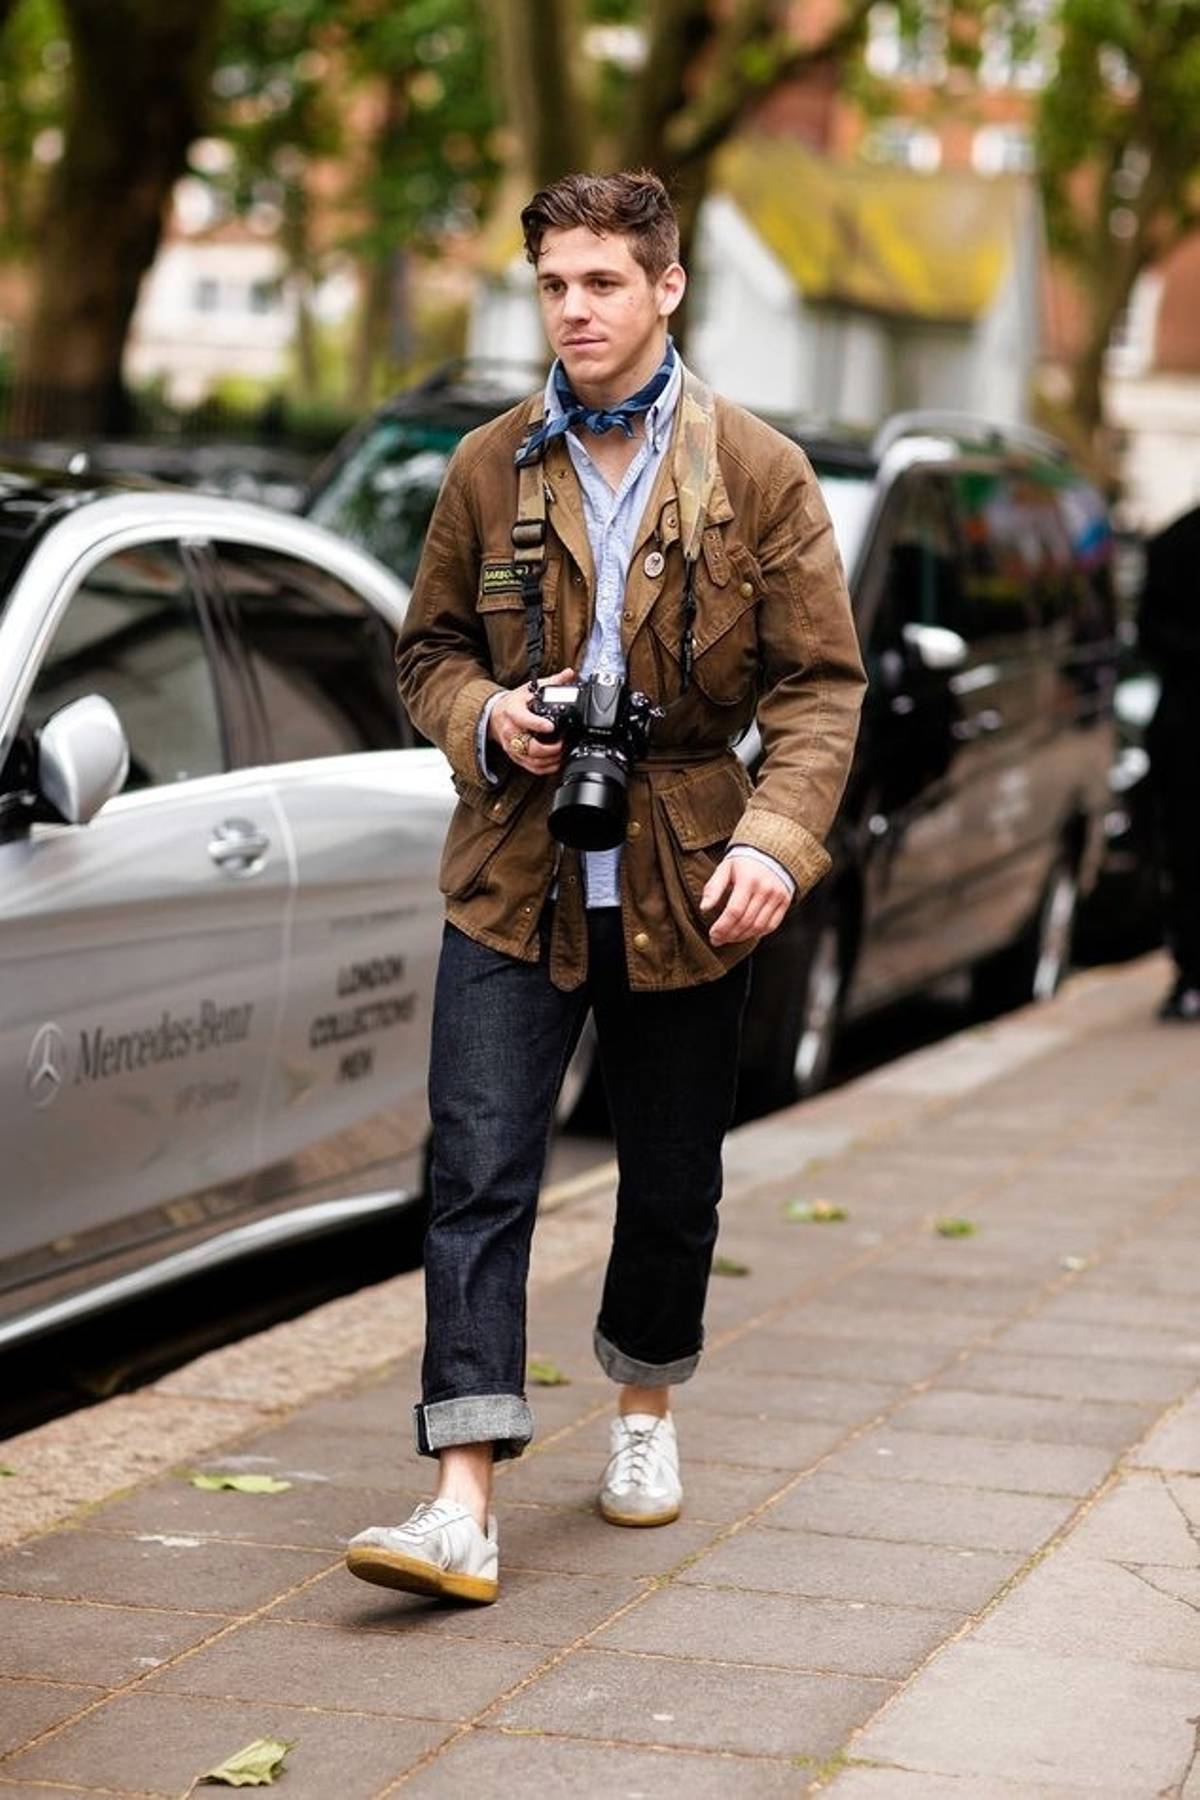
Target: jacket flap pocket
[704,807]
[496,804]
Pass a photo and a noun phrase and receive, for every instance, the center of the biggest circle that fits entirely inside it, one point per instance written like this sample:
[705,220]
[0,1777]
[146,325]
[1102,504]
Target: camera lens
[590,807]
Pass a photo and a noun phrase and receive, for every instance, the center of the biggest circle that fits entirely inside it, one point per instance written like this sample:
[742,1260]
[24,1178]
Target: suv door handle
[238,846]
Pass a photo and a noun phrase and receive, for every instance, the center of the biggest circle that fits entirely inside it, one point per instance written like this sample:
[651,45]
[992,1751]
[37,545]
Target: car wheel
[794,1013]
[1032,969]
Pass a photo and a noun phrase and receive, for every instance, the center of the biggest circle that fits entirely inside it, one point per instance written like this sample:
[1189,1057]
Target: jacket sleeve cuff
[462,732]
[803,856]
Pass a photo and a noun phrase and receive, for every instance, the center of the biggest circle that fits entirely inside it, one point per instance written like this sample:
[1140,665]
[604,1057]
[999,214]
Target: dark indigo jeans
[502,1038]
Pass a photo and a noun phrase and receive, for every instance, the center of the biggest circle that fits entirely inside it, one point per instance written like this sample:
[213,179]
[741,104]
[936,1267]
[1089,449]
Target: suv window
[922,582]
[132,632]
[321,658]
[1005,528]
[383,494]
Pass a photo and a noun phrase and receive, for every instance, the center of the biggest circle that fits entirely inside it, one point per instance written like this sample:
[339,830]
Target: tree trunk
[538,50]
[139,69]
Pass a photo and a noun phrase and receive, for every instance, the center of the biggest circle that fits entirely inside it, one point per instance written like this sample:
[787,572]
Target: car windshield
[382,495]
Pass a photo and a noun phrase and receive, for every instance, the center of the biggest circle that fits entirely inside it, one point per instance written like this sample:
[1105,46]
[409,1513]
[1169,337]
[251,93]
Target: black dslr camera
[606,727]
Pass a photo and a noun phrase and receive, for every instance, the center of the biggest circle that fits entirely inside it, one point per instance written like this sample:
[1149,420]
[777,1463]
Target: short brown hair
[634,204]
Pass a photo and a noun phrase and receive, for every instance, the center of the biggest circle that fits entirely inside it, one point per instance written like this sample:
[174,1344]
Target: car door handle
[238,846]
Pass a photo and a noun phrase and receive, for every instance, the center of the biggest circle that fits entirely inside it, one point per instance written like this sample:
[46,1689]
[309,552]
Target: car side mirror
[935,647]
[82,758]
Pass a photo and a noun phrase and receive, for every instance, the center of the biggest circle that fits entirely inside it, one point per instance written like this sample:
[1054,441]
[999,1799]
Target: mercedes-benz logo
[46,1069]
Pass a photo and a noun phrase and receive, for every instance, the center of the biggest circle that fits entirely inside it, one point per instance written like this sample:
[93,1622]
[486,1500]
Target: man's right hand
[520,733]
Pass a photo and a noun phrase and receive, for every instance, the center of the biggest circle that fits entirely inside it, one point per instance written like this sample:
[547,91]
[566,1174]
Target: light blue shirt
[613,517]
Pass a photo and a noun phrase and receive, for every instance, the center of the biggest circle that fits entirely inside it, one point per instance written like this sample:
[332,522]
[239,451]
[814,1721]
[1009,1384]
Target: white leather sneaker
[641,1483]
[440,1550]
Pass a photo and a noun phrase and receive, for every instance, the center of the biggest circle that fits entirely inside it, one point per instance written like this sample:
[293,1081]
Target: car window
[1006,564]
[322,658]
[383,494]
[132,633]
[922,584]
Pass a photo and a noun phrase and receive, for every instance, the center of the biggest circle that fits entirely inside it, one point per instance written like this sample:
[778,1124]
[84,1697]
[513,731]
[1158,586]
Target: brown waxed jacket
[773,635]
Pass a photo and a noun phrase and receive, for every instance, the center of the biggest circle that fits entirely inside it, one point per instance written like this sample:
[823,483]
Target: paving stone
[28,1708]
[773,1347]
[1101,1339]
[943,1326]
[919,1513]
[73,1641]
[789,1395]
[822,1567]
[498,1762]
[534,1608]
[313,1514]
[1107,1426]
[1144,1519]
[665,1700]
[352,1671]
[1074,1604]
[755,1439]
[1018,1716]
[1175,1444]
[215,1577]
[1084,1303]
[901,1784]
[843,1637]
[569,1478]
[350,1456]
[578,1544]
[961,1460]
[159,1744]
[1074,1378]
[935,1292]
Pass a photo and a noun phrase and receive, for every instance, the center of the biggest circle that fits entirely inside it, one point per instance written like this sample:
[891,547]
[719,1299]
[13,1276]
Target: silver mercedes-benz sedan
[219,910]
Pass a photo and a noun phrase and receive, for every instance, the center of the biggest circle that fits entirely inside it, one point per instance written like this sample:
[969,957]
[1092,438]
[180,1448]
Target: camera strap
[529,558]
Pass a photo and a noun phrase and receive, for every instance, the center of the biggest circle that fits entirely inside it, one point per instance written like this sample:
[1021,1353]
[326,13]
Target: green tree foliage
[1119,151]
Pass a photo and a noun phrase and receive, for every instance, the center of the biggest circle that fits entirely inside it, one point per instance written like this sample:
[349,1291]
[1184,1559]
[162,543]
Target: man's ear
[670,289]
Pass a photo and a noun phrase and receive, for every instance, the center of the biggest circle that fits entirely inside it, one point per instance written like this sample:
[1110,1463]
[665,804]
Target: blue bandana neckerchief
[596,418]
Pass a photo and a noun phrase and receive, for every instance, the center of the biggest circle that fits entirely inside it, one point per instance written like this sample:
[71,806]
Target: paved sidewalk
[942,1530]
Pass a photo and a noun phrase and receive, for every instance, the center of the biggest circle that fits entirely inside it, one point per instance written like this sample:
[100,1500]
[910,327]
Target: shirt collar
[658,417]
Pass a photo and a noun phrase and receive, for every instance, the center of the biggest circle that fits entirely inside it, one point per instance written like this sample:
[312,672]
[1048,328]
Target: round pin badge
[655,563]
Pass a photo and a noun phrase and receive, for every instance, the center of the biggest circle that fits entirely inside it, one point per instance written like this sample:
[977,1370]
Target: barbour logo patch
[501,578]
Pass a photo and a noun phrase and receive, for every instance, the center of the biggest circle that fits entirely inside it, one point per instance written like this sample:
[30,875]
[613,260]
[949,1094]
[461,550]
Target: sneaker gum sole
[609,1512]
[393,1569]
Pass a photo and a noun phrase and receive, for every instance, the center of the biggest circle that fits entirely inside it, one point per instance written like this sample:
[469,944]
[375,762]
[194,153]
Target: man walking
[628,524]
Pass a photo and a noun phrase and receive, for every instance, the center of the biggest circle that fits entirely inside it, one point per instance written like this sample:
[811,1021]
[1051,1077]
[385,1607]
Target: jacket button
[634,830]
[641,941]
[746,589]
[627,615]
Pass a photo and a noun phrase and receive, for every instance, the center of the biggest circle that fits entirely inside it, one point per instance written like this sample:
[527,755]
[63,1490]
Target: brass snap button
[497,806]
[627,615]
[635,829]
[641,941]
[746,589]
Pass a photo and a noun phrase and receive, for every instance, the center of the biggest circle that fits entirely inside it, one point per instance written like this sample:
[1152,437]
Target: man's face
[603,315]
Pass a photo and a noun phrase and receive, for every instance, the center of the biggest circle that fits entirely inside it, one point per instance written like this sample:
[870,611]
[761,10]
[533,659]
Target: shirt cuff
[768,862]
[481,742]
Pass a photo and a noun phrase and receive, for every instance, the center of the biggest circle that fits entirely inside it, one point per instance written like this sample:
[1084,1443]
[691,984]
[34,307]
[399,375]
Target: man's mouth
[582,343]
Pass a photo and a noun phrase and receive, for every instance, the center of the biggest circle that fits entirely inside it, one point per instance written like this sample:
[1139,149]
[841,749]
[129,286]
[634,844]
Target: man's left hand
[751,898]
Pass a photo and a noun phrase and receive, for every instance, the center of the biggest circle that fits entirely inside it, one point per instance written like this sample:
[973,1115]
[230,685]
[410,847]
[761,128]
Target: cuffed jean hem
[502,1420]
[630,1372]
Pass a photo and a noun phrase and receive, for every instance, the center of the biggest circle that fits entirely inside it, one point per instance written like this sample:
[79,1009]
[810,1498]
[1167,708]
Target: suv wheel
[1032,969]
[794,1012]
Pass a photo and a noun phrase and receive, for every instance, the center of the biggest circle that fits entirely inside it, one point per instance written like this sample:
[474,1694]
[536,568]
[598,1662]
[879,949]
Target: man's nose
[576,304]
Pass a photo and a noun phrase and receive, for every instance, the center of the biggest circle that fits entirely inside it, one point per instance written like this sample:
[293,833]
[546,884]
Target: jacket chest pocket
[501,609]
[725,632]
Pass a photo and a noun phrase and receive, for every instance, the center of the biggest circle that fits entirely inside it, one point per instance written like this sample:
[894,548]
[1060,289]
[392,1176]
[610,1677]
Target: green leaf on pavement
[241,1484]
[5,1471]
[544,1373]
[725,1265]
[255,1766]
[955,1227]
[814,1212]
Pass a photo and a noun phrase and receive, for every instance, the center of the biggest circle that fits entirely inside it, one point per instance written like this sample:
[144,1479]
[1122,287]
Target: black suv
[980,566]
